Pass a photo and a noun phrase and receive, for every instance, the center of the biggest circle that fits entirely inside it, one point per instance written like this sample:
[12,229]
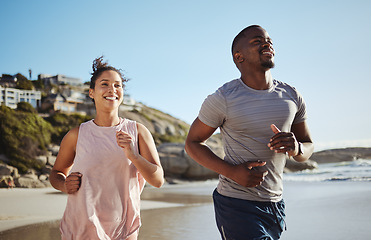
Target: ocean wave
[356,170]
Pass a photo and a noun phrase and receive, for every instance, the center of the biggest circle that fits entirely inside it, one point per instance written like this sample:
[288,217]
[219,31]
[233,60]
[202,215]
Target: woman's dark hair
[99,66]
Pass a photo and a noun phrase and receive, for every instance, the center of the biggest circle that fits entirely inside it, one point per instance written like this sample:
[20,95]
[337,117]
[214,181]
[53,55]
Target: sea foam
[356,170]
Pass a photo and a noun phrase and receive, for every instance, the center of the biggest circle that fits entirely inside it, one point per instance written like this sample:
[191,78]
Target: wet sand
[332,210]
[35,213]
[315,210]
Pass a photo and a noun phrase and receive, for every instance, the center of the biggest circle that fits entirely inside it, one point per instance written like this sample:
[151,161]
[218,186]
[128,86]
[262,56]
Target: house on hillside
[59,79]
[8,81]
[61,103]
[10,97]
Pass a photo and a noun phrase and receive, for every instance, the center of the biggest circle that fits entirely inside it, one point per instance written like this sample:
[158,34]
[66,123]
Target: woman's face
[108,91]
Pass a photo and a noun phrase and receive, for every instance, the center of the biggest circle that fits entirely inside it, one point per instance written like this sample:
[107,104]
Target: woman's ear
[91,91]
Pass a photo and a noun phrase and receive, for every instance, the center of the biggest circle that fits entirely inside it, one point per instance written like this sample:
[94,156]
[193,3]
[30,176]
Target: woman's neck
[106,120]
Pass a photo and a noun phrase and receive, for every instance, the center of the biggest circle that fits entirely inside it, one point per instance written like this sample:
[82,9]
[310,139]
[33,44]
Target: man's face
[256,49]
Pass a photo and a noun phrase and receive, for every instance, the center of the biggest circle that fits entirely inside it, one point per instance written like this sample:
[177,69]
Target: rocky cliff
[163,127]
[341,155]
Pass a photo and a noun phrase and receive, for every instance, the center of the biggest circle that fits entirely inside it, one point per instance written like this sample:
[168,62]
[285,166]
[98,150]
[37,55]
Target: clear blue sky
[178,52]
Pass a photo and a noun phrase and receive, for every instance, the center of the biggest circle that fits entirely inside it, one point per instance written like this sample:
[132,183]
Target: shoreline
[20,207]
[314,210]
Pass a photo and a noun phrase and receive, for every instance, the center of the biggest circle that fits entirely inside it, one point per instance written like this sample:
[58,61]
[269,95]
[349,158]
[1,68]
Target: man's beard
[268,64]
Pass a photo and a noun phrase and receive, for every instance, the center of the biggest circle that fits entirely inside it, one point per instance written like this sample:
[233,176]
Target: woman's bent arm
[147,161]
[63,164]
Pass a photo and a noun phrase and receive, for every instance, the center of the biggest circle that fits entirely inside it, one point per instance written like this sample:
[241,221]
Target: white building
[10,97]
[59,79]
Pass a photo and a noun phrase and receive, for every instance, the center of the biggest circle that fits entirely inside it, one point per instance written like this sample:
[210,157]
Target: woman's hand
[146,159]
[125,141]
[73,182]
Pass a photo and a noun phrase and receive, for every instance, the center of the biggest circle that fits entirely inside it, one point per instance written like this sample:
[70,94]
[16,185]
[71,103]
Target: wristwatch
[300,152]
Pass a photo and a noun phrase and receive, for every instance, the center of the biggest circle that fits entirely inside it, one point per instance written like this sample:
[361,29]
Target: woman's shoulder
[75,130]
[73,133]
[69,140]
[140,126]
[142,130]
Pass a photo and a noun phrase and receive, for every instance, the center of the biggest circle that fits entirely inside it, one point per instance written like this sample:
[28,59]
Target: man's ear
[238,58]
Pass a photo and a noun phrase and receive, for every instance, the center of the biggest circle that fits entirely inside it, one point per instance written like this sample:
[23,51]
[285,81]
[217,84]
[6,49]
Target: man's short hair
[241,35]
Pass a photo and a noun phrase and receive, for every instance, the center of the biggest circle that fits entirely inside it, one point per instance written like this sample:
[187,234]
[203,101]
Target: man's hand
[73,182]
[248,174]
[283,142]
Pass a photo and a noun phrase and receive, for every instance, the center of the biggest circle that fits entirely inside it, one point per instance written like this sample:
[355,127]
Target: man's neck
[258,80]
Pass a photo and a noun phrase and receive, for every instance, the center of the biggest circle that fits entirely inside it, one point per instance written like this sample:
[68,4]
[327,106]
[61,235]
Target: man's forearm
[202,154]
[307,149]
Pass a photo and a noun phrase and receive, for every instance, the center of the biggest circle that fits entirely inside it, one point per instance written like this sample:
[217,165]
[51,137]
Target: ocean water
[356,170]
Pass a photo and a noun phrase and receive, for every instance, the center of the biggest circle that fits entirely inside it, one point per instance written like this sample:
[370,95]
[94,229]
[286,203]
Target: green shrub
[62,123]
[25,107]
[24,135]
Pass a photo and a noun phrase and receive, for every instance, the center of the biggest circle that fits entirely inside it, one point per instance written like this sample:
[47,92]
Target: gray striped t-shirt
[244,116]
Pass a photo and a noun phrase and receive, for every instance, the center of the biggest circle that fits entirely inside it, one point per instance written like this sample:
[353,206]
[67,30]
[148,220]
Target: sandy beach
[315,210]
[20,207]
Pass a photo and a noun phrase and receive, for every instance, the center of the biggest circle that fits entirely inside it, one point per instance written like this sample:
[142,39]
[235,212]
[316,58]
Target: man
[260,120]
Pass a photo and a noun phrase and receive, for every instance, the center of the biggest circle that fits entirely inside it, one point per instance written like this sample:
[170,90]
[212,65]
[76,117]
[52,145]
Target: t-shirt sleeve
[301,114]
[213,110]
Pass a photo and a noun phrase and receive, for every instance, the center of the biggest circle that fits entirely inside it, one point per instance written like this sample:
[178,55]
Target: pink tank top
[107,205]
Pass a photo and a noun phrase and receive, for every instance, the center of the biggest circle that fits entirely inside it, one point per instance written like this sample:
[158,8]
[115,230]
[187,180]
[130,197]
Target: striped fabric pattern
[244,116]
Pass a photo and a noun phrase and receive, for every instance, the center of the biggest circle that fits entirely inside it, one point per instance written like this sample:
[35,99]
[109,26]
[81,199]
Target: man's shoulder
[230,86]
[284,85]
[288,89]
[220,95]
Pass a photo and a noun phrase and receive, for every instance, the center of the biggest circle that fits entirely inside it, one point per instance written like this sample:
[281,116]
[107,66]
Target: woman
[103,165]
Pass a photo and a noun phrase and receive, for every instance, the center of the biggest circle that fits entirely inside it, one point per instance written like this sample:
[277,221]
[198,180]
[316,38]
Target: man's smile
[267,52]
